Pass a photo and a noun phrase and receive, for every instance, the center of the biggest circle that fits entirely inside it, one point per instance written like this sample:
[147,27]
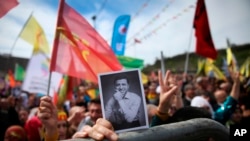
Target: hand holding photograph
[123,100]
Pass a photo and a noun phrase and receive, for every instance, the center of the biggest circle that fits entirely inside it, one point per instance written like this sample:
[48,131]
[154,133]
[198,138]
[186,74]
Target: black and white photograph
[123,100]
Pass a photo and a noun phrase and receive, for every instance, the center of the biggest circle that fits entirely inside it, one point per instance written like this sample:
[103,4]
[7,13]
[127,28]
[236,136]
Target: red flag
[6,6]
[79,50]
[204,43]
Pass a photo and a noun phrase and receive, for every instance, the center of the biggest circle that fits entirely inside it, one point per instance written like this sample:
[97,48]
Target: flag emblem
[122,29]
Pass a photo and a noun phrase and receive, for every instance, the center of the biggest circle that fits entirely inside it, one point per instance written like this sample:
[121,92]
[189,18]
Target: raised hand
[102,129]
[47,113]
[168,89]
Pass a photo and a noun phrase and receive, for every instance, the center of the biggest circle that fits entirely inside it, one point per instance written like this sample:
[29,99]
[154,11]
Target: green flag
[19,72]
[129,62]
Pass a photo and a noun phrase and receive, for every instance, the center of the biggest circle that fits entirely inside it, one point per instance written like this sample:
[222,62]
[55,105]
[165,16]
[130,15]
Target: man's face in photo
[122,86]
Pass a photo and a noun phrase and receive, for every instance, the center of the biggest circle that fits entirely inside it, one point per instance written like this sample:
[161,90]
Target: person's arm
[223,113]
[167,91]
[102,129]
[47,113]
[130,111]
[235,92]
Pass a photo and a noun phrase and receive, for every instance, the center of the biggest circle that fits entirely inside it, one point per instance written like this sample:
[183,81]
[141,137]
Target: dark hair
[189,112]
[95,101]
[118,77]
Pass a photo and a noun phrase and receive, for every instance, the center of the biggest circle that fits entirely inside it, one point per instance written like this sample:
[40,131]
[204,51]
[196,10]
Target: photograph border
[146,126]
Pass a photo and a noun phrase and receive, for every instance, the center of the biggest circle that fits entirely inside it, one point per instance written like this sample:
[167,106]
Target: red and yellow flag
[79,50]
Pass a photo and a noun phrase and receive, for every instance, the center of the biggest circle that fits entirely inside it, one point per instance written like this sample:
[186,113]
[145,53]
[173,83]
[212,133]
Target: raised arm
[47,113]
[235,92]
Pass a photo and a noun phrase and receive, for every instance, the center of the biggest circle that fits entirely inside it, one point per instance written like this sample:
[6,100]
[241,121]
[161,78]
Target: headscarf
[16,133]
[199,101]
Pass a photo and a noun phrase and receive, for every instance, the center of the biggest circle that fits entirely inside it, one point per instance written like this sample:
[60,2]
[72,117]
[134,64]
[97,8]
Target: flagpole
[162,64]
[187,54]
[19,34]
[60,9]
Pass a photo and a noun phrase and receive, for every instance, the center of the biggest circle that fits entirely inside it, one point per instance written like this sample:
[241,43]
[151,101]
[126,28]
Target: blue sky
[227,18]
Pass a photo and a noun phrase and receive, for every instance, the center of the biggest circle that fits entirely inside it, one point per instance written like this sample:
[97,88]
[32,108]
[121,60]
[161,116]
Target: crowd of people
[170,98]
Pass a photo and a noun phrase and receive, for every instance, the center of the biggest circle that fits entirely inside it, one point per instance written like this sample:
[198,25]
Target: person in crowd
[152,96]
[189,93]
[8,115]
[15,133]
[102,128]
[168,89]
[62,125]
[236,118]
[76,115]
[245,107]
[82,98]
[219,97]
[152,109]
[48,116]
[33,128]
[226,86]
[95,112]
[201,85]
[202,102]
[23,114]
[224,112]
[122,109]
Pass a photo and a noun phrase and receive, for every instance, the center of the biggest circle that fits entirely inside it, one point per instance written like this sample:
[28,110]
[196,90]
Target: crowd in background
[18,109]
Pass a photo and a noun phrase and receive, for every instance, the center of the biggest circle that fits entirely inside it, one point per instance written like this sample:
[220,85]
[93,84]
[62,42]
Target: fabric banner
[37,76]
[119,34]
[129,62]
[33,33]
[204,43]
[79,51]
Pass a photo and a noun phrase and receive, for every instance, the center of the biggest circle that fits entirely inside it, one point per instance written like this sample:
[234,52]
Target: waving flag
[37,72]
[79,51]
[33,33]
[231,60]
[119,34]
[19,72]
[245,68]
[204,43]
[129,62]
[6,6]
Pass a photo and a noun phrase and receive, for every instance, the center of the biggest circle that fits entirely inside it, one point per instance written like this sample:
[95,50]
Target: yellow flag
[144,78]
[200,67]
[210,67]
[34,34]
[245,68]
[231,60]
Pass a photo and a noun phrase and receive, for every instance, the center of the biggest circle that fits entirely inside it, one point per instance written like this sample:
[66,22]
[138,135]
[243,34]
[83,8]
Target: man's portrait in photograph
[123,100]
